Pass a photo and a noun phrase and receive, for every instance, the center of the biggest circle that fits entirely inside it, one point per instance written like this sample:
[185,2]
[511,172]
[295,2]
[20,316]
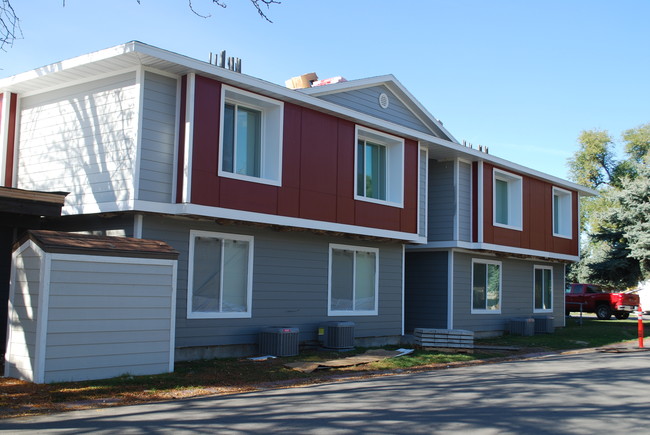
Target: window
[379,167]
[251,137]
[507,203]
[543,287]
[220,275]
[486,286]
[372,170]
[353,280]
[562,214]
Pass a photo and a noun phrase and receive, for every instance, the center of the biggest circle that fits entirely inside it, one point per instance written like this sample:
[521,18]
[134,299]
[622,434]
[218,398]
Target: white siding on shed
[81,139]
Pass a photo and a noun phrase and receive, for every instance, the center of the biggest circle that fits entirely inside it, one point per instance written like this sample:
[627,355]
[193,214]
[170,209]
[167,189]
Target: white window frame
[271,134]
[355,249]
[542,310]
[190,277]
[394,165]
[565,213]
[485,310]
[515,199]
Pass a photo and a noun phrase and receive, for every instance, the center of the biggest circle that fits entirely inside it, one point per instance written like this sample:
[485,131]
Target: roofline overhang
[138,54]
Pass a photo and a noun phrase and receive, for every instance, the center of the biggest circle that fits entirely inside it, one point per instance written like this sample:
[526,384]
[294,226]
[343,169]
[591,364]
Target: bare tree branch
[267,3]
[9,25]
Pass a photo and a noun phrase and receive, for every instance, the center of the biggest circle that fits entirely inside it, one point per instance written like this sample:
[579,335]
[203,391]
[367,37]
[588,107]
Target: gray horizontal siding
[442,201]
[290,279]
[516,297]
[464,202]
[24,316]
[107,318]
[422,194]
[426,290]
[367,101]
[158,137]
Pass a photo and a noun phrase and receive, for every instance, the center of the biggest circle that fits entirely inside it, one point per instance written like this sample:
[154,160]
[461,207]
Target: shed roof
[85,244]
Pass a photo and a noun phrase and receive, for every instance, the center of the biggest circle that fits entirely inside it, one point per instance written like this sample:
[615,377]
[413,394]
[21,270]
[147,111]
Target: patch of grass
[233,375]
[592,333]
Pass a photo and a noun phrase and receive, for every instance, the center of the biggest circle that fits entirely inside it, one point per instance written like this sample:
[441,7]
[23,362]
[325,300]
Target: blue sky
[521,77]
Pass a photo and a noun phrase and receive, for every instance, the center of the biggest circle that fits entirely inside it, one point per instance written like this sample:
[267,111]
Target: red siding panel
[345,183]
[292,131]
[410,214]
[537,219]
[256,197]
[205,151]
[11,140]
[318,172]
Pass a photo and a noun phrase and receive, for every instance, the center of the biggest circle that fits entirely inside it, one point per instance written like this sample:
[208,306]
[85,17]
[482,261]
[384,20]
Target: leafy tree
[10,23]
[617,252]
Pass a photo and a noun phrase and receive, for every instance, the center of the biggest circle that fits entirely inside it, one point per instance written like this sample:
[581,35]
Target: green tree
[617,252]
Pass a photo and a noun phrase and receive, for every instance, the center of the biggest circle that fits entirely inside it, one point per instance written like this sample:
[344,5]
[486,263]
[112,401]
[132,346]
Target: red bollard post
[640,317]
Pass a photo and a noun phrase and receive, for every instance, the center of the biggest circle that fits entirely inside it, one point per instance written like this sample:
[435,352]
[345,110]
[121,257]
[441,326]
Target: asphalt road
[586,393]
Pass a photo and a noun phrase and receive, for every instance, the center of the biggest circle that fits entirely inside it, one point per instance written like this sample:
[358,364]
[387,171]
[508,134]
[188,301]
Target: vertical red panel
[205,144]
[289,194]
[11,140]
[318,164]
[409,218]
[345,171]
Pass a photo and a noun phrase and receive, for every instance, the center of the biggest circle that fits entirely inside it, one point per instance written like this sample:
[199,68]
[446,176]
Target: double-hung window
[562,215]
[543,288]
[486,286]
[507,200]
[251,137]
[379,163]
[353,280]
[220,275]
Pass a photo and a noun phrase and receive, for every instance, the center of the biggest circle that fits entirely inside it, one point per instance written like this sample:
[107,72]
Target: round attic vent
[384,101]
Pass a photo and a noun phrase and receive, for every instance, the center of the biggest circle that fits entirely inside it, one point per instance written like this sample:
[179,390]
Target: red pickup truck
[596,300]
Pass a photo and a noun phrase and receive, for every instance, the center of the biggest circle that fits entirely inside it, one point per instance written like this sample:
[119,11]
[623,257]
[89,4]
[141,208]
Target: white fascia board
[239,215]
[469,246]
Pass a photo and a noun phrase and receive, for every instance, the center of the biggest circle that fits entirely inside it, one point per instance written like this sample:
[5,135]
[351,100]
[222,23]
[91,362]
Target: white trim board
[245,216]
[470,247]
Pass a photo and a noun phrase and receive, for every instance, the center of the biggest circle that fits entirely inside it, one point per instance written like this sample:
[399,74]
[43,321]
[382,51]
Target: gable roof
[393,86]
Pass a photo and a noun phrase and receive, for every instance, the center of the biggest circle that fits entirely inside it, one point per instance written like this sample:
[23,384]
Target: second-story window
[507,202]
[242,142]
[371,171]
[251,137]
[379,168]
[562,215]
